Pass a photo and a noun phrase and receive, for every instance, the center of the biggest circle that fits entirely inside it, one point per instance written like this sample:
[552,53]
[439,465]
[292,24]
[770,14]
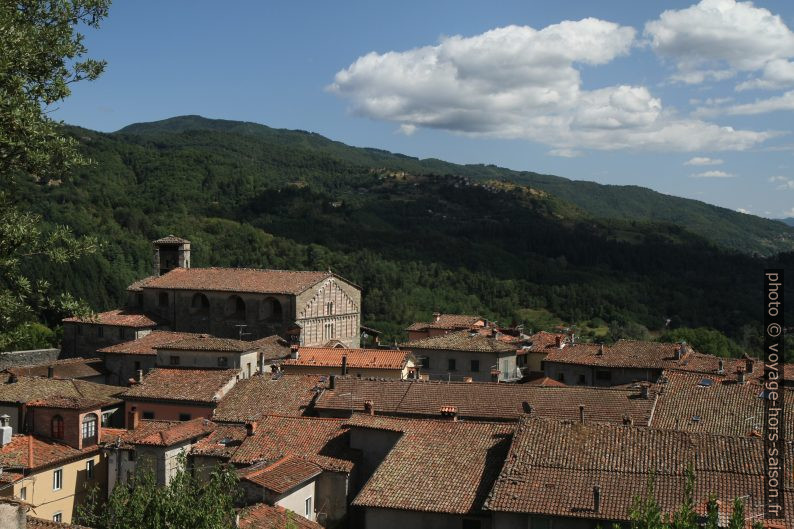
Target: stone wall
[22,358]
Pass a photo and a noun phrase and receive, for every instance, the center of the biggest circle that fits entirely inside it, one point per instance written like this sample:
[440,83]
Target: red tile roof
[171,239]
[137,286]
[147,345]
[552,467]
[486,400]
[38,523]
[118,318]
[68,403]
[545,382]
[46,452]
[543,342]
[356,358]
[447,321]
[435,466]
[466,341]
[161,433]
[283,475]
[274,347]
[205,342]
[195,385]
[263,516]
[238,280]
[260,395]
[322,441]
[62,369]
[27,389]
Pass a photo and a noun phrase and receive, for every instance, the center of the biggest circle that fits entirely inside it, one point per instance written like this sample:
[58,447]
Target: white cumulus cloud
[521,83]
[703,160]
[565,153]
[716,38]
[779,103]
[783,182]
[713,174]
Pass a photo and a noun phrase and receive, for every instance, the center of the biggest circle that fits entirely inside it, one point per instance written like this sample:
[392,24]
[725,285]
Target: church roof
[238,280]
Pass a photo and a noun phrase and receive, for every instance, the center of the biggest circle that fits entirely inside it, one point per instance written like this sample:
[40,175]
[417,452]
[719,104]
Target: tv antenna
[240,328]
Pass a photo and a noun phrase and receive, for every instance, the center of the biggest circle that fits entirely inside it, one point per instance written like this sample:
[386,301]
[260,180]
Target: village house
[427,473]
[485,355]
[17,392]
[485,401]
[15,514]
[571,475]
[52,468]
[89,369]
[269,394]
[128,360]
[179,394]
[150,445]
[279,458]
[532,353]
[378,363]
[264,516]
[85,335]
[441,324]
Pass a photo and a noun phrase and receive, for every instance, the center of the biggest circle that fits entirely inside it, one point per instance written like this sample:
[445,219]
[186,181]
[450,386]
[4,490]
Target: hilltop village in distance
[466,425]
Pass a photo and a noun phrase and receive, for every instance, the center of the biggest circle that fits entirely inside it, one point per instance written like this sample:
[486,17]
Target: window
[162,299]
[235,308]
[426,362]
[57,517]
[475,366]
[581,381]
[248,367]
[79,330]
[149,415]
[451,364]
[308,507]
[23,493]
[89,426]
[137,366]
[121,333]
[184,416]
[603,374]
[329,308]
[223,361]
[471,523]
[200,304]
[270,310]
[57,427]
[130,457]
[100,331]
[57,479]
[173,360]
[89,469]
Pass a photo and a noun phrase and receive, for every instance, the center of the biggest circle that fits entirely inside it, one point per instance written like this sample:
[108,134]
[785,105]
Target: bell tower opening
[170,252]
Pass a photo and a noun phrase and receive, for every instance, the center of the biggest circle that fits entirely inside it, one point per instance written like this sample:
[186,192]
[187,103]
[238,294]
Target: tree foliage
[187,502]
[41,55]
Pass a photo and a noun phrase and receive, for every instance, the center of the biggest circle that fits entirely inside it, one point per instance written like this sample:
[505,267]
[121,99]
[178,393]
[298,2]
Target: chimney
[467,379]
[558,341]
[581,413]
[721,368]
[628,421]
[139,376]
[293,352]
[740,376]
[527,408]
[573,338]
[250,428]
[369,407]
[436,317]
[597,498]
[50,371]
[5,429]
[332,382]
[344,365]
[450,412]
[600,350]
[749,364]
[132,418]
[644,388]
[680,351]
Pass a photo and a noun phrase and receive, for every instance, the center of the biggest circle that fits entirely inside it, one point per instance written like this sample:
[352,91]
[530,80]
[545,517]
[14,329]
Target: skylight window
[705,382]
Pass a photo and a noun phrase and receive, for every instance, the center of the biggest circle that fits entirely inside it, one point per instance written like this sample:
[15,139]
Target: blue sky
[690,99]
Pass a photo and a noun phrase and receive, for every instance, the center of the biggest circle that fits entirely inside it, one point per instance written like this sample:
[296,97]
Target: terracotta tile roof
[10,477]
[27,389]
[322,441]
[160,433]
[39,523]
[542,342]
[146,345]
[693,402]
[552,467]
[63,369]
[435,466]
[171,239]
[46,452]
[137,286]
[68,403]
[238,280]
[263,516]
[356,358]
[274,347]
[195,385]
[621,354]
[205,342]
[446,321]
[260,395]
[283,475]
[118,318]
[545,382]
[486,400]
[463,341]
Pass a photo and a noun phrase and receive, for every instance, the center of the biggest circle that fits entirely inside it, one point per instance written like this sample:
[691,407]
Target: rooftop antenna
[240,327]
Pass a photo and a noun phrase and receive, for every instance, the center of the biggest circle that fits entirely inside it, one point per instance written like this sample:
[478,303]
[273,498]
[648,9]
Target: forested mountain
[418,235]
[789,221]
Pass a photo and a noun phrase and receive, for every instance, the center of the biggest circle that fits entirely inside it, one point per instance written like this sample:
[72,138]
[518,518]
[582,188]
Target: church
[310,308]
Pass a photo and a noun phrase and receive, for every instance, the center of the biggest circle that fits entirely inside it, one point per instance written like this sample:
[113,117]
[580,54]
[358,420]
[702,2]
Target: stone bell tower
[170,252]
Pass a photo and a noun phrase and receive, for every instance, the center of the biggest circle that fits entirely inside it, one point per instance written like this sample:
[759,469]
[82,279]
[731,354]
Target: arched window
[235,307]
[270,310]
[200,304]
[89,426]
[329,308]
[57,427]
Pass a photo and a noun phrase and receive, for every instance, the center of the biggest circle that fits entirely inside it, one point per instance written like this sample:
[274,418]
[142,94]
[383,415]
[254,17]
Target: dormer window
[89,427]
